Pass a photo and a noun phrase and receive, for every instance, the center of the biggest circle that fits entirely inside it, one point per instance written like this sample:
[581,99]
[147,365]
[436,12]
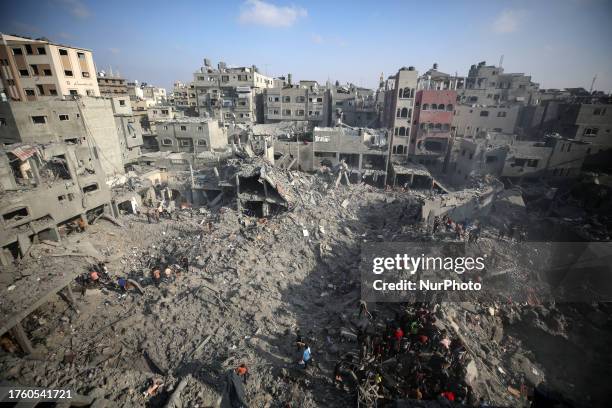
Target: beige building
[107,126]
[399,109]
[37,69]
[154,93]
[306,101]
[111,85]
[184,95]
[190,135]
[229,94]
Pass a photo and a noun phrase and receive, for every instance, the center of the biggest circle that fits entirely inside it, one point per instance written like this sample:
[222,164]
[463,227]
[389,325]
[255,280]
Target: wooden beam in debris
[22,338]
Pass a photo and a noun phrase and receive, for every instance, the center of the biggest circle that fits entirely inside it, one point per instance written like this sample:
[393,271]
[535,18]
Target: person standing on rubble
[306,356]
[243,372]
[363,309]
[398,335]
[458,231]
[474,233]
[436,224]
[185,263]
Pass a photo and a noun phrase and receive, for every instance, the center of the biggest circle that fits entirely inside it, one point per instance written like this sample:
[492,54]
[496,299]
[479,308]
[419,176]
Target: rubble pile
[222,287]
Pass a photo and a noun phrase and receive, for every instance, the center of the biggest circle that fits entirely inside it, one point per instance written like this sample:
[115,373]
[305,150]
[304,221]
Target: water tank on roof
[411,68]
[206,62]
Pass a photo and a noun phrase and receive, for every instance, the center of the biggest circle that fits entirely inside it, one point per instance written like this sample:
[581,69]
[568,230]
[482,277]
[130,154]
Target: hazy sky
[561,43]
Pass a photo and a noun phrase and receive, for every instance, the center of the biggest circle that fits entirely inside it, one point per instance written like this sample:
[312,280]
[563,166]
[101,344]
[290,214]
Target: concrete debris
[266,265]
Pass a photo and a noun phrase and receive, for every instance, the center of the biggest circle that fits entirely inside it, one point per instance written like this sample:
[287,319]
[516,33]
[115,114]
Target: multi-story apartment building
[434,107]
[230,94]
[111,85]
[190,135]
[129,130]
[471,120]
[106,125]
[502,155]
[354,106]
[134,89]
[489,85]
[399,109]
[37,69]
[587,122]
[306,101]
[183,96]
[154,93]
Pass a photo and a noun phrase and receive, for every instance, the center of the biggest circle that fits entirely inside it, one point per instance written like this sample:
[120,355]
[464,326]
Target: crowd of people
[407,357]
[471,231]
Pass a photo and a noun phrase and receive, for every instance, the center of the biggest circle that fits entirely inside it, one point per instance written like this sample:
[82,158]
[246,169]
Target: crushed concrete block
[348,335]
[471,373]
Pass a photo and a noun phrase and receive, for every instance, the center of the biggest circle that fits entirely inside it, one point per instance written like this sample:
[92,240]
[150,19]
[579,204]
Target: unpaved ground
[252,284]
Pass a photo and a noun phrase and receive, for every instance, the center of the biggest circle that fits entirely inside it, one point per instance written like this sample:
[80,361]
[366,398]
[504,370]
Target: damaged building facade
[469,120]
[183,96]
[106,124]
[44,188]
[435,102]
[190,135]
[503,156]
[489,85]
[111,85]
[363,153]
[229,94]
[354,106]
[305,101]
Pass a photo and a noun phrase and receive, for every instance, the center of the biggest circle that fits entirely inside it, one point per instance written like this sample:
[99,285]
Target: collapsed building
[228,194]
[48,190]
[502,155]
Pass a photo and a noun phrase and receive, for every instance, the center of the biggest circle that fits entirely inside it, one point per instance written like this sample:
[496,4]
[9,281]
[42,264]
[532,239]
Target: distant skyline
[561,43]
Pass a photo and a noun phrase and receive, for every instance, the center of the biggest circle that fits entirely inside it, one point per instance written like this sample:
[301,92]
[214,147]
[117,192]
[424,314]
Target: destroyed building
[354,106]
[45,189]
[363,152]
[231,243]
[502,155]
[107,125]
[590,122]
